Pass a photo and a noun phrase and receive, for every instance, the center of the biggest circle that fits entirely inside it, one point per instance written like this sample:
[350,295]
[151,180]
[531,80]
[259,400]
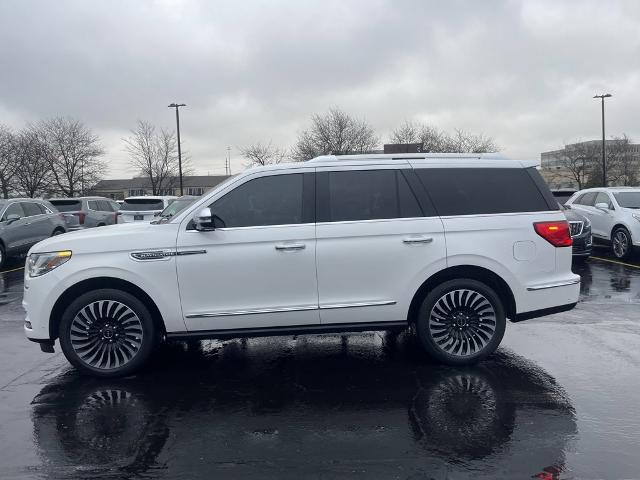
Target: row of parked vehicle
[26,221]
[605,215]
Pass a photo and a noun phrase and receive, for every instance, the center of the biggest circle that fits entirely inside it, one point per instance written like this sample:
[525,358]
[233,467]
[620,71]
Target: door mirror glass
[602,206]
[203,220]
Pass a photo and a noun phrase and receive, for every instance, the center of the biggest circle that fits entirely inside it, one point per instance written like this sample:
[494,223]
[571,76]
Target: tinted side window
[273,200]
[370,195]
[93,205]
[473,191]
[587,199]
[13,209]
[104,206]
[31,209]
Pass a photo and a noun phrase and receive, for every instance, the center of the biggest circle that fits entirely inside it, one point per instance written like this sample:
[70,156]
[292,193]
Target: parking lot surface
[560,399]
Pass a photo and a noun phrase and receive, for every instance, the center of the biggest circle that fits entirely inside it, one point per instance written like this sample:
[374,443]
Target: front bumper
[582,246]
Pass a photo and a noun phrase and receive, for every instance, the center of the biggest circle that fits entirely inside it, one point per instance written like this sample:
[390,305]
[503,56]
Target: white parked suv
[450,245]
[614,213]
[143,209]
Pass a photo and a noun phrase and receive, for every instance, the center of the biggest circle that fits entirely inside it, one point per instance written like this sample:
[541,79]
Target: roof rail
[406,156]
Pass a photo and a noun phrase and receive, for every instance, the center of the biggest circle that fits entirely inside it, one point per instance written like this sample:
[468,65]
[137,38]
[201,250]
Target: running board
[287,330]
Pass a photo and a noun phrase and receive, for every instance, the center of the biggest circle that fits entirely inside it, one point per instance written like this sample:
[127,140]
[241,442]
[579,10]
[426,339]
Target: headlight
[587,223]
[41,263]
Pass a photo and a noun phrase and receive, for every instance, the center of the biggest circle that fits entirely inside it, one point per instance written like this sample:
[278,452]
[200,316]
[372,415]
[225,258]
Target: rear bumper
[543,312]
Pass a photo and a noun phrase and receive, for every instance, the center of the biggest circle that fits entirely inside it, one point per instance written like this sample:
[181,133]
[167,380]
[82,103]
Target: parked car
[89,211]
[143,209]
[24,222]
[451,245]
[563,194]
[175,207]
[614,213]
[580,233]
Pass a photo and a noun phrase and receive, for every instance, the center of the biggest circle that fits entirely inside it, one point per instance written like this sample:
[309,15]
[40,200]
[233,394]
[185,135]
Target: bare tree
[435,140]
[73,154]
[576,162]
[33,174]
[336,133]
[263,154]
[622,164]
[155,155]
[8,161]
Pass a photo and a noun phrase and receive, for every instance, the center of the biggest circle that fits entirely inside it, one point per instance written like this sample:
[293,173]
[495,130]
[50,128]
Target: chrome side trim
[553,285]
[191,252]
[357,304]
[150,255]
[301,308]
[252,312]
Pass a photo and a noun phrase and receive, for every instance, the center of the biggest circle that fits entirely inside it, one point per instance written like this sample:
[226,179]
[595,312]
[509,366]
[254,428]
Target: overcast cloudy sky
[522,72]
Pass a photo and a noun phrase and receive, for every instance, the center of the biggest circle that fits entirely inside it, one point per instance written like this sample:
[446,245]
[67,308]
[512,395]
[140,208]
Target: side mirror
[602,206]
[203,220]
[12,218]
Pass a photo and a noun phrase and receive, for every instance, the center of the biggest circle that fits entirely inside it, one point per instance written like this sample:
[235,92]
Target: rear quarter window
[476,191]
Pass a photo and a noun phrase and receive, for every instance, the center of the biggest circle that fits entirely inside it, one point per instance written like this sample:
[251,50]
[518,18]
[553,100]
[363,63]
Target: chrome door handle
[284,247]
[417,240]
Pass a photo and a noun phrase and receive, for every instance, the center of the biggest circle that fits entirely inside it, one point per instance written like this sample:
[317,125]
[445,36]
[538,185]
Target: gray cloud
[522,72]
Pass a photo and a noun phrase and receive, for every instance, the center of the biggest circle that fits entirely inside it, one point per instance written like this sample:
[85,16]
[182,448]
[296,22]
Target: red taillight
[80,216]
[556,233]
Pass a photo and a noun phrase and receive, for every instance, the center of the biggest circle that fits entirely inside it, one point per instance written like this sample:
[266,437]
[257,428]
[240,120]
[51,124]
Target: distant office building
[119,189]
[553,163]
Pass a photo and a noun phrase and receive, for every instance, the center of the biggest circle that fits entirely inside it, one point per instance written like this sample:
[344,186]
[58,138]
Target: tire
[621,243]
[57,231]
[100,225]
[3,255]
[448,324]
[98,346]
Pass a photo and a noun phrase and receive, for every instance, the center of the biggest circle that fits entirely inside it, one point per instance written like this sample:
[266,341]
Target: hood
[120,237]
[573,216]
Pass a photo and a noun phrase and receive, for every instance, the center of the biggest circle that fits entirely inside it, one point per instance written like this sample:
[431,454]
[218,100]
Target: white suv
[143,209]
[614,214]
[450,245]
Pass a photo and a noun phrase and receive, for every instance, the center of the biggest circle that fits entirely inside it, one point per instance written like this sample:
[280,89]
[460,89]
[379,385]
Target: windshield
[175,207]
[138,204]
[67,205]
[628,199]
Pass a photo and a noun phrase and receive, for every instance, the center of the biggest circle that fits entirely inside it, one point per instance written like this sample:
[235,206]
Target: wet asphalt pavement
[560,399]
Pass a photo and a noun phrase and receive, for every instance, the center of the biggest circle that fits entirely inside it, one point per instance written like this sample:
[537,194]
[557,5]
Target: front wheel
[107,333]
[461,321]
[621,243]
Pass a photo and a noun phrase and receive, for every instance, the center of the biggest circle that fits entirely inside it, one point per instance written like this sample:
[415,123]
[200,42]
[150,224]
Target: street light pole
[177,106]
[604,160]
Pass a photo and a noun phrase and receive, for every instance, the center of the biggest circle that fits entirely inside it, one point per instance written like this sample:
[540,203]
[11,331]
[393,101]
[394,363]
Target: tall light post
[177,106]
[604,160]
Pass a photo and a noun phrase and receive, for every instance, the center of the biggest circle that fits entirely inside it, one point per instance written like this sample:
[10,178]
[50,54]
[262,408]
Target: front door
[257,268]
[602,221]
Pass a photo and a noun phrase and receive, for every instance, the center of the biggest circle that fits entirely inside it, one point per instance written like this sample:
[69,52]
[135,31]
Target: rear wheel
[107,333]
[461,321]
[621,243]
[57,231]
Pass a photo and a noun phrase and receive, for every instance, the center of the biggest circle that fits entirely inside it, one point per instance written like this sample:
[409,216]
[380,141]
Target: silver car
[88,211]
[24,222]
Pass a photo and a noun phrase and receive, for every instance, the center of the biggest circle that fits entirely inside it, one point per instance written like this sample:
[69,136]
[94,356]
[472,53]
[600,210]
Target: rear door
[38,226]
[376,243]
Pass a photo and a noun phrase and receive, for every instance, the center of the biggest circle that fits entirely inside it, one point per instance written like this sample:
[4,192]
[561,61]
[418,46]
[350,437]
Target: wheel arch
[616,226]
[481,274]
[87,285]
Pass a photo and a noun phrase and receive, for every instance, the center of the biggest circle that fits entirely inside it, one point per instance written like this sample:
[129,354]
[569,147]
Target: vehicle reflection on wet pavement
[559,400]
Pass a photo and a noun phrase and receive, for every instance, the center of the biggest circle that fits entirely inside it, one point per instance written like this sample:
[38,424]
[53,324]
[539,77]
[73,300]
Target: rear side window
[67,205]
[476,191]
[93,205]
[272,200]
[370,195]
[31,209]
